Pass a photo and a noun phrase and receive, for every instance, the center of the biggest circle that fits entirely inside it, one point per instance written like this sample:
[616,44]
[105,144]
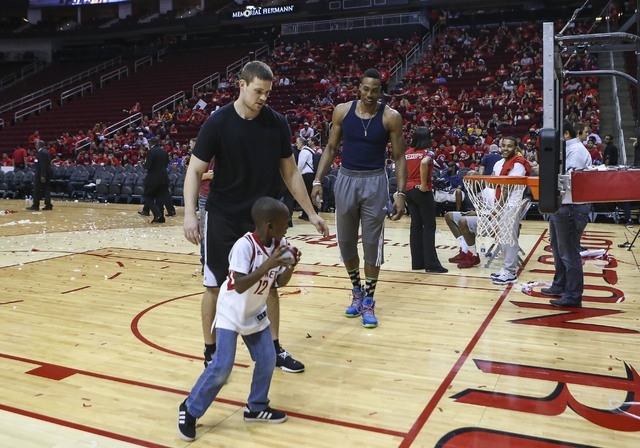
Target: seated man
[449,187]
[463,225]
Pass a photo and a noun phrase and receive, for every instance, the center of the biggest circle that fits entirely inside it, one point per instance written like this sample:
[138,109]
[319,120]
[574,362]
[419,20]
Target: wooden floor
[100,341]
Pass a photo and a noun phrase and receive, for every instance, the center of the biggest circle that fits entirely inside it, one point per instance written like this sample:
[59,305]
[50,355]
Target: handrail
[59,85]
[27,70]
[622,151]
[8,80]
[118,73]
[206,82]
[141,62]
[78,89]
[173,99]
[264,50]
[32,68]
[236,67]
[81,144]
[38,107]
[161,52]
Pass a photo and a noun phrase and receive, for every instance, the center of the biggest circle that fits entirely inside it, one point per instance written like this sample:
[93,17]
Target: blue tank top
[362,152]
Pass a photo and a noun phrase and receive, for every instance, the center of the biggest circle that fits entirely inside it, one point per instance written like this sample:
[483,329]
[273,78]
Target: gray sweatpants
[362,197]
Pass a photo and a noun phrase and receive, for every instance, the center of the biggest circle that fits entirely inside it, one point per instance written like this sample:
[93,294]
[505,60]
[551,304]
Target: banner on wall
[251,11]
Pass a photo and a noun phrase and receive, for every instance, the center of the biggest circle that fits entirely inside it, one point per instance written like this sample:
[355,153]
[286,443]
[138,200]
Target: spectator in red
[30,159]
[33,138]
[6,160]
[20,158]
[531,136]
[595,150]
[443,157]
[134,109]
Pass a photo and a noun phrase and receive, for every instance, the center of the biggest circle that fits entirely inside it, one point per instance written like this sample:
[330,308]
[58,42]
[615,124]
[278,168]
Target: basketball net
[499,205]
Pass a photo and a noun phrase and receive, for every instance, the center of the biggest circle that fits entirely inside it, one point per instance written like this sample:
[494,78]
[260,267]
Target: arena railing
[59,85]
[38,107]
[112,129]
[75,91]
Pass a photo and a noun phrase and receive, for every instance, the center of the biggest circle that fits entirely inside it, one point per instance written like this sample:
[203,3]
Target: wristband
[402,193]
[316,182]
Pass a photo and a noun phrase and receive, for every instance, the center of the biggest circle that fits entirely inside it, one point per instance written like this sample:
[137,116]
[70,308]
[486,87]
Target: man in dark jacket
[610,151]
[156,184]
[42,180]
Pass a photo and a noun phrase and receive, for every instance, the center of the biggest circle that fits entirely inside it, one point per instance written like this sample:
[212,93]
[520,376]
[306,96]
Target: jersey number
[262,285]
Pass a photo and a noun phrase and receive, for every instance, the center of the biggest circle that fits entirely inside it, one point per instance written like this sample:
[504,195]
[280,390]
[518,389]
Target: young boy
[256,262]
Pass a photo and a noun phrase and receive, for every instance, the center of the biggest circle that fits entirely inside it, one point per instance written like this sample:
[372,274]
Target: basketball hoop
[499,203]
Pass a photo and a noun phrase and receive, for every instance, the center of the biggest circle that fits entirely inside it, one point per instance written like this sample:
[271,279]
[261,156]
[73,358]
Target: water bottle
[483,251]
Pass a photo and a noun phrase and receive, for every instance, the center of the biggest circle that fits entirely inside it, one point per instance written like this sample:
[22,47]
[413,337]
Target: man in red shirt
[33,138]
[19,157]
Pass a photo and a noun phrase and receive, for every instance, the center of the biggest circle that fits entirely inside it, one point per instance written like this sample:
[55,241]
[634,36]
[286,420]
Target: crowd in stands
[472,87]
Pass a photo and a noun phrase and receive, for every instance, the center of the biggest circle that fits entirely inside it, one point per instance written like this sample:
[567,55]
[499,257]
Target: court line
[79,427]
[57,372]
[138,334]
[417,427]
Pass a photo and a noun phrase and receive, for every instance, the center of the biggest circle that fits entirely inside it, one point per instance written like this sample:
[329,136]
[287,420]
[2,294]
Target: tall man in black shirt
[251,145]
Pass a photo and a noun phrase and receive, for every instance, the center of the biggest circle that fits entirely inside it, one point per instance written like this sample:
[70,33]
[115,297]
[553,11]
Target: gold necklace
[368,122]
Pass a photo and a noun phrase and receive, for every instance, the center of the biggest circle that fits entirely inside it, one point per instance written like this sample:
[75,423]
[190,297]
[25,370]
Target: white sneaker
[501,272]
[505,279]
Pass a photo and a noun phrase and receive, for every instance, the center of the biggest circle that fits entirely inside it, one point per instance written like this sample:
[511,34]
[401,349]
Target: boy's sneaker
[458,258]
[356,304]
[286,362]
[505,279]
[469,261]
[501,272]
[267,415]
[368,317]
[186,424]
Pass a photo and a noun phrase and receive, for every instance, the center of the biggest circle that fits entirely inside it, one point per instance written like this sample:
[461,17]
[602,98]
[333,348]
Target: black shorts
[221,233]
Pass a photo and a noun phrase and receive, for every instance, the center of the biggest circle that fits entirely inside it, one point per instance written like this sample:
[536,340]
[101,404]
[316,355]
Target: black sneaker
[186,424]
[564,302]
[267,415]
[286,362]
[551,292]
[47,207]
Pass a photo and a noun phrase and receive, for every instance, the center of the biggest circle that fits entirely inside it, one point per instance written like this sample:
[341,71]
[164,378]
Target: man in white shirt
[305,166]
[306,132]
[567,224]
[511,164]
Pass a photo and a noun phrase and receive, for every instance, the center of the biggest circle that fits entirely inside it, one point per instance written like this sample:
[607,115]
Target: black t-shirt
[247,158]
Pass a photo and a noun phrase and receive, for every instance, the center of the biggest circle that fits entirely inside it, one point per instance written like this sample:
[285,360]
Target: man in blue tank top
[364,127]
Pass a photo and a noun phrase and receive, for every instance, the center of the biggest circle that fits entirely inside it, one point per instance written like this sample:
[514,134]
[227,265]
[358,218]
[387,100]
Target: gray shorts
[472,221]
[362,198]
[447,196]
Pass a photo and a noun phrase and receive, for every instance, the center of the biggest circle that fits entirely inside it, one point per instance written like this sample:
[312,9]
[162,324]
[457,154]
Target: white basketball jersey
[246,313]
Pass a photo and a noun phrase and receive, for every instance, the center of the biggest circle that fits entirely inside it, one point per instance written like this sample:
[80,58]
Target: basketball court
[100,341]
